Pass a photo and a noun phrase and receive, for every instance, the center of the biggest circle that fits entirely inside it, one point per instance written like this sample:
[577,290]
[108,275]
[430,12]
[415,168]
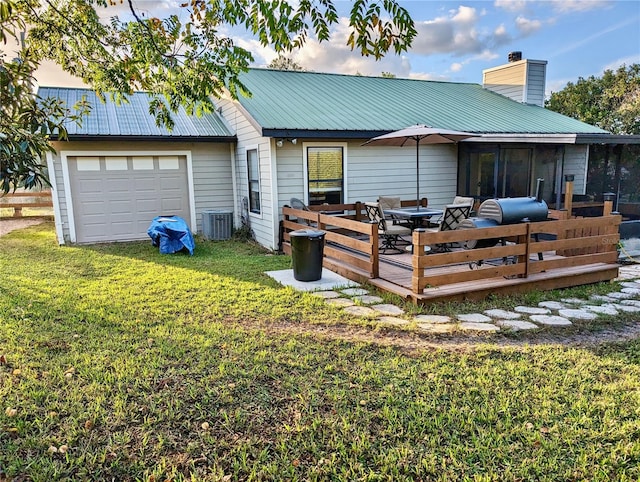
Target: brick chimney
[521,80]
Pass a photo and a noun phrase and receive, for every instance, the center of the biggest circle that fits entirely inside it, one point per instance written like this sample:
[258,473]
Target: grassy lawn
[118,363]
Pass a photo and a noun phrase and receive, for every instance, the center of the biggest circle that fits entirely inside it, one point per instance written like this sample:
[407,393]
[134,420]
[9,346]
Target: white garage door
[116,197]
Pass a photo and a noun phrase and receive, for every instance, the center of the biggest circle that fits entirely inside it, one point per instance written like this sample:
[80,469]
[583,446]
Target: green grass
[152,367]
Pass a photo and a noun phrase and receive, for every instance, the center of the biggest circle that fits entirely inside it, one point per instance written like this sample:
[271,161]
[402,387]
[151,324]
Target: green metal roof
[131,120]
[284,101]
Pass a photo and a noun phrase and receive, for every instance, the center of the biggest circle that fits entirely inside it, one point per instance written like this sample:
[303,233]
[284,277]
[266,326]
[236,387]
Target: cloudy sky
[457,40]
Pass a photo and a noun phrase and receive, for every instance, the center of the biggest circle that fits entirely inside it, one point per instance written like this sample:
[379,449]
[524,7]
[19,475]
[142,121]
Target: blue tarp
[171,234]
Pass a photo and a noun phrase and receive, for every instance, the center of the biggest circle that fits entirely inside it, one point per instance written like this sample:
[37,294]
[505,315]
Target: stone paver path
[360,302]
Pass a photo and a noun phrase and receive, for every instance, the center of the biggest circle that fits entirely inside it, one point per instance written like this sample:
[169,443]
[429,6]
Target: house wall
[536,82]
[211,164]
[371,172]
[263,225]
[507,80]
[523,81]
[575,162]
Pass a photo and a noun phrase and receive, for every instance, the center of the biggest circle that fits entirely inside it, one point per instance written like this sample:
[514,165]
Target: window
[253,170]
[325,175]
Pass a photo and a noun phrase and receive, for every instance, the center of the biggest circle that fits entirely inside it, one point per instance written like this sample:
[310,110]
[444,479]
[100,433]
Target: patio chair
[391,202]
[453,215]
[391,235]
[296,203]
[458,200]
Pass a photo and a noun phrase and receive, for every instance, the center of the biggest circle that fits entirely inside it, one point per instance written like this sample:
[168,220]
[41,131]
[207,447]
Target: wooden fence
[506,252]
[515,251]
[25,199]
[349,242]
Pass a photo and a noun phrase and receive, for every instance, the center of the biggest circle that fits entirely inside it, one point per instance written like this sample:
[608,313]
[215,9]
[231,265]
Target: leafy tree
[285,63]
[179,62]
[26,120]
[611,102]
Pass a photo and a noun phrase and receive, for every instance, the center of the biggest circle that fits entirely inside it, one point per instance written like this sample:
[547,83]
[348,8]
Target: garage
[114,198]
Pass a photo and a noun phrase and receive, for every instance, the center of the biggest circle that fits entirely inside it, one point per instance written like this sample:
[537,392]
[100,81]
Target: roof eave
[96,137]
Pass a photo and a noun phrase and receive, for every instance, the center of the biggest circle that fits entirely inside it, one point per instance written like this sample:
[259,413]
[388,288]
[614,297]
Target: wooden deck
[546,255]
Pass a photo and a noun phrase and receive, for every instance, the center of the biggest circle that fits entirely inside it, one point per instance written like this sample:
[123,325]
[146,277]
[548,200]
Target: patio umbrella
[416,135]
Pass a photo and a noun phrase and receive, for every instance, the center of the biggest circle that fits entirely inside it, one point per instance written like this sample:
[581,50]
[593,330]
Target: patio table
[414,215]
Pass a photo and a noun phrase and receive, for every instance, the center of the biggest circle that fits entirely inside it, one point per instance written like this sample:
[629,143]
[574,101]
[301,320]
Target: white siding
[508,80]
[391,171]
[212,180]
[536,81]
[377,171]
[522,81]
[265,224]
[575,162]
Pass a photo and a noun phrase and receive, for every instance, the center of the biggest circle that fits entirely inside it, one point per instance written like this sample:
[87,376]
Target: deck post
[358,208]
[527,254]
[418,251]
[568,194]
[375,251]
[608,208]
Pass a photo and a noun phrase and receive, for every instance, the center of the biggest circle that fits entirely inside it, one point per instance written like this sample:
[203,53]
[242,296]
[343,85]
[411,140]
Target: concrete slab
[326,294]
[532,310]
[355,291]
[471,326]
[503,314]
[573,301]
[340,302]
[437,328]
[516,325]
[392,320]
[631,291]
[368,299]
[619,295]
[386,309]
[577,314]
[606,299]
[328,281]
[628,308]
[364,311]
[474,318]
[433,319]
[550,320]
[552,305]
[601,309]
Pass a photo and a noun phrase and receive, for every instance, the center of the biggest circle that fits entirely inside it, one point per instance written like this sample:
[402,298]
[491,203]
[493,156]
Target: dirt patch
[9,224]
[414,343]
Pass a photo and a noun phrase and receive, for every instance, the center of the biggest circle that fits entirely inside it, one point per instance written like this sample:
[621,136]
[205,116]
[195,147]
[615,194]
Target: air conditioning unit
[217,225]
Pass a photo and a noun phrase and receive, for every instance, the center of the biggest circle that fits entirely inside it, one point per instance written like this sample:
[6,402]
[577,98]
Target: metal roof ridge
[336,74]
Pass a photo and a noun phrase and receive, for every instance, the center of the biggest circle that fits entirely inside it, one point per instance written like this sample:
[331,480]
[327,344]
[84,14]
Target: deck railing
[349,242]
[508,251]
[519,250]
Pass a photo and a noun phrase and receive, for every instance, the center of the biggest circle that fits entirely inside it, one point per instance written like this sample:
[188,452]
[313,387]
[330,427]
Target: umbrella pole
[417,174]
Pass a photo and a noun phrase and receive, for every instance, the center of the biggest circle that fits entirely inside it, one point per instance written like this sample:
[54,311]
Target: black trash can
[307,249]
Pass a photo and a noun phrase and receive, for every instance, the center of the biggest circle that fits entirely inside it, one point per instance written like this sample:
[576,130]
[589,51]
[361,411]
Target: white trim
[190,187]
[66,180]
[234,185]
[54,197]
[64,159]
[254,147]
[305,167]
[275,218]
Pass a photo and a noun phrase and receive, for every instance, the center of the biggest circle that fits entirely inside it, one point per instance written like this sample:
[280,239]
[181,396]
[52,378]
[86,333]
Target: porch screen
[325,175]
